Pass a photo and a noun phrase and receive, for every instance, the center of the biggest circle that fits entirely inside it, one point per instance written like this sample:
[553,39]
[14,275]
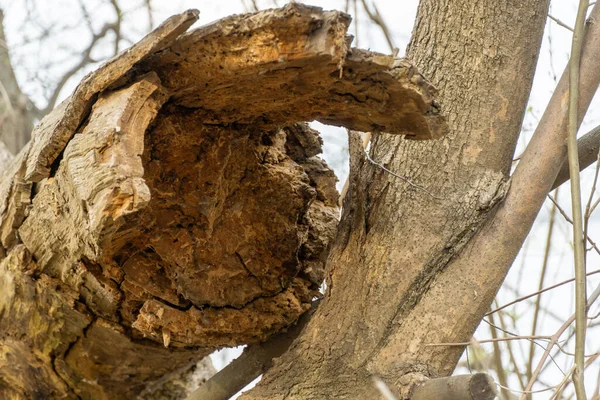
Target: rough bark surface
[175,203]
[393,267]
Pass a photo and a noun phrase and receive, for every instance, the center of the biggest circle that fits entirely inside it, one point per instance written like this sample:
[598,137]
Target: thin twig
[578,238]
[563,383]
[150,18]
[526,392]
[378,20]
[593,297]
[497,356]
[538,292]
[559,22]
[511,353]
[85,60]
[117,24]
[405,179]
[516,336]
[504,339]
[541,285]
[569,220]
[589,209]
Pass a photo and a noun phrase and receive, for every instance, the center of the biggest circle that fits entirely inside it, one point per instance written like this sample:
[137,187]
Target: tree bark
[16,119]
[392,269]
[174,204]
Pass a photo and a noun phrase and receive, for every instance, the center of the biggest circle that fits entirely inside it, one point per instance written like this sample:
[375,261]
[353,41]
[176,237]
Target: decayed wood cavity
[176,202]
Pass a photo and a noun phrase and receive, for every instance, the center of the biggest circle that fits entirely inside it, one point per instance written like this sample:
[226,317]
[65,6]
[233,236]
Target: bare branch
[541,285]
[85,60]
[117,25]
[378,20]
[461,387]
[150,18]
[560,23]
[587,147]
[538,292]
[593,297]
[578,238]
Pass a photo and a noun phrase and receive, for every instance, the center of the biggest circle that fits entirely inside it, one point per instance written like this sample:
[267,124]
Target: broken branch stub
[186,208]
[51,135]
[294,64]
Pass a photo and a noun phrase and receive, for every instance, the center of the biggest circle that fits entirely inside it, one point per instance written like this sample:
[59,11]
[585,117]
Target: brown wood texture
[175,203]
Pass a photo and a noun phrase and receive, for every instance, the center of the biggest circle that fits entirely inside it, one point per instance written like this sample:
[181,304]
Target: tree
[173,204]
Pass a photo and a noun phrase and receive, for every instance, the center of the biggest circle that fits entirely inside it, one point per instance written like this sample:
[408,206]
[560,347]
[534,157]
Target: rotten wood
[172,206]
[54,131]
[255,360]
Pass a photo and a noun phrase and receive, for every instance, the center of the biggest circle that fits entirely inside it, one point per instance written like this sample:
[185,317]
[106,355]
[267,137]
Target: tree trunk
[16,120]
[174,204]
[395,283]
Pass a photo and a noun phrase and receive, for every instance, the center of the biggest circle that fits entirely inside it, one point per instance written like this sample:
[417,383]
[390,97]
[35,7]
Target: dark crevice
[64,355]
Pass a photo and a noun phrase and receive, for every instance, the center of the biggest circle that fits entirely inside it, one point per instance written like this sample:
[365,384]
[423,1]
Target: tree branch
[578,240]
[587,147]
[117,25]
[375,16]
[85,60]
[478,386]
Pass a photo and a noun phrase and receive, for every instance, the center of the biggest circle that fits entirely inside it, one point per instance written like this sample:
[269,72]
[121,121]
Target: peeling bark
[175,203]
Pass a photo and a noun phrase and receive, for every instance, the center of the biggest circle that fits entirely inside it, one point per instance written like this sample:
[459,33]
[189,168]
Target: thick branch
[587,146]
[396,243]
[461,387]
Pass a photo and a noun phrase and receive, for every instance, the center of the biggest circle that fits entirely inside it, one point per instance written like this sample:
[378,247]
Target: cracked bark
[175,203]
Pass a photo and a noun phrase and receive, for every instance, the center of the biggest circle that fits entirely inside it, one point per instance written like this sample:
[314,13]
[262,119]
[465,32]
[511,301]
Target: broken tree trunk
[175,203]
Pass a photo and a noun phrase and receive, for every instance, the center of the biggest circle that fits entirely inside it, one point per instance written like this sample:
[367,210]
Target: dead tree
[174,204]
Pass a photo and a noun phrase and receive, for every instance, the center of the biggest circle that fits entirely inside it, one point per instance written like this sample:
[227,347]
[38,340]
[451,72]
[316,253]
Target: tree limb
[587,147]
[478,386]
[578,240]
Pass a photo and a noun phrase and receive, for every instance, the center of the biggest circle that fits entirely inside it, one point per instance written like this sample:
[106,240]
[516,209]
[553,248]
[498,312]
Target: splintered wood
[176,203]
